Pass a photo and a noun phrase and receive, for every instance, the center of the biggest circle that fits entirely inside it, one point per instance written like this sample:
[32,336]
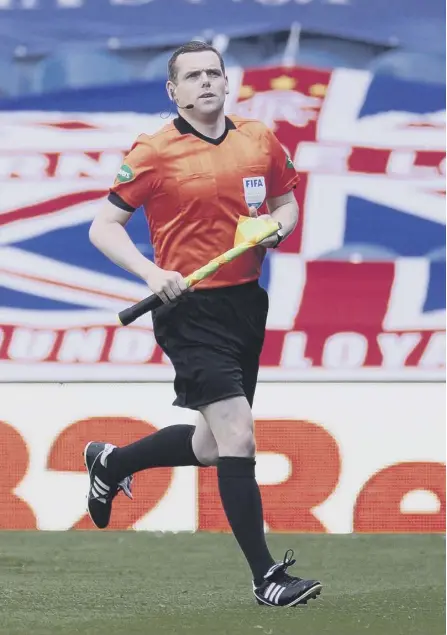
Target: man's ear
[170,89]
[227,86]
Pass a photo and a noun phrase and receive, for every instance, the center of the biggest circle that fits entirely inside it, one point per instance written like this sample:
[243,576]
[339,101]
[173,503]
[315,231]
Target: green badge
[125,174]
[289,163]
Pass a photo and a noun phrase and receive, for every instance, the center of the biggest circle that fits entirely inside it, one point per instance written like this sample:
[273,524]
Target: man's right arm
[108,234]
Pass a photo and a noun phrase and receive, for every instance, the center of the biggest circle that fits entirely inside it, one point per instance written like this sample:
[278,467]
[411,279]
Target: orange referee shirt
[193,190]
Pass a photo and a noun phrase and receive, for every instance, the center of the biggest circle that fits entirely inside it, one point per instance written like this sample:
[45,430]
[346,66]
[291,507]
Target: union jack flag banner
[357,292]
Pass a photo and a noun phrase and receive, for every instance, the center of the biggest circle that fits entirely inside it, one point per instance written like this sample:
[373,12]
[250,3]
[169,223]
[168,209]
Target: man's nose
[205,79]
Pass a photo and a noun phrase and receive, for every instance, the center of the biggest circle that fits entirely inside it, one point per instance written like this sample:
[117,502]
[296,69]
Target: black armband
[116,200]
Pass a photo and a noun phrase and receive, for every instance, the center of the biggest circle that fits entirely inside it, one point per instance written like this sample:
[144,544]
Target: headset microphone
[174,99]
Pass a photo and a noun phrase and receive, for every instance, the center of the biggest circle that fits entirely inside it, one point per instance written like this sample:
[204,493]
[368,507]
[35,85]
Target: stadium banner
[336,458]
[358,292]
[36,27]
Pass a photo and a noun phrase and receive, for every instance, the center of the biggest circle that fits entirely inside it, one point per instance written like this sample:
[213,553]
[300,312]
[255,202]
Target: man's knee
[239,443]
[203,444]
[231,423]
[207,456]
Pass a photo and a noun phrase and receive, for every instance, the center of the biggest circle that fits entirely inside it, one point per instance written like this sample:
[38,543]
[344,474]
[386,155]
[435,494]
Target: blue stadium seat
[426,35]
[247,54]
[438,254]
[9,78]
[77,68]
[326,52]
[347,53]
[420,67]
[157,67]
[315,59]
[360,253]
[230,61]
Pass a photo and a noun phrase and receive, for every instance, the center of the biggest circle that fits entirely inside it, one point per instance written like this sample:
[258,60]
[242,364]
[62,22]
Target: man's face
[200,81]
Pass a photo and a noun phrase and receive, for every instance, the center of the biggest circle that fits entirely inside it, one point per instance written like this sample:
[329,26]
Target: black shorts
[214,338]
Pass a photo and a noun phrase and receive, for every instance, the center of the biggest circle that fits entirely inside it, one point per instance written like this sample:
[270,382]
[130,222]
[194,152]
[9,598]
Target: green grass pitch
[138,583]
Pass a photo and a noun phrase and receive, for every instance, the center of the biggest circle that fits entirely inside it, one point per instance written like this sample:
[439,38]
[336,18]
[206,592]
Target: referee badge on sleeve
[125,174]
[254,190]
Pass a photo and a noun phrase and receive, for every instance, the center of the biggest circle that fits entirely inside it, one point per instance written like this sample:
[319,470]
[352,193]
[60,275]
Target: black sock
[241,500]
[169,447]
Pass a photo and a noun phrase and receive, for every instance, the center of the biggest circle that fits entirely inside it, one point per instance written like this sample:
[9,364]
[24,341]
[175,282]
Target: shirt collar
[184,127]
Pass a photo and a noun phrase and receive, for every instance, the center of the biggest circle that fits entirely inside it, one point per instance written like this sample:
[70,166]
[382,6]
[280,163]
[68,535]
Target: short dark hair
[191,47]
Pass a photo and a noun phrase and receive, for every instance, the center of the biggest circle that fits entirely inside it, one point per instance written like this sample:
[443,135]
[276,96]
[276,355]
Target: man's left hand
[271,240]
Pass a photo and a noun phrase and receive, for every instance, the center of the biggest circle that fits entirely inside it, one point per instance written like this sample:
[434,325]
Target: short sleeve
[137,177]
[283,176]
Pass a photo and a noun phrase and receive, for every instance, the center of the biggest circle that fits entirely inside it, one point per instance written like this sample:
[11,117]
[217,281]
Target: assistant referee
[194,179]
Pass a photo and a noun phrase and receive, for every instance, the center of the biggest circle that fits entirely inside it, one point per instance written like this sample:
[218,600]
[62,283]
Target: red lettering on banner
[149,487]
[73,164]
[15,513]
[378,506]
[315,468]
[319,342]
[323,345]
[430,352]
